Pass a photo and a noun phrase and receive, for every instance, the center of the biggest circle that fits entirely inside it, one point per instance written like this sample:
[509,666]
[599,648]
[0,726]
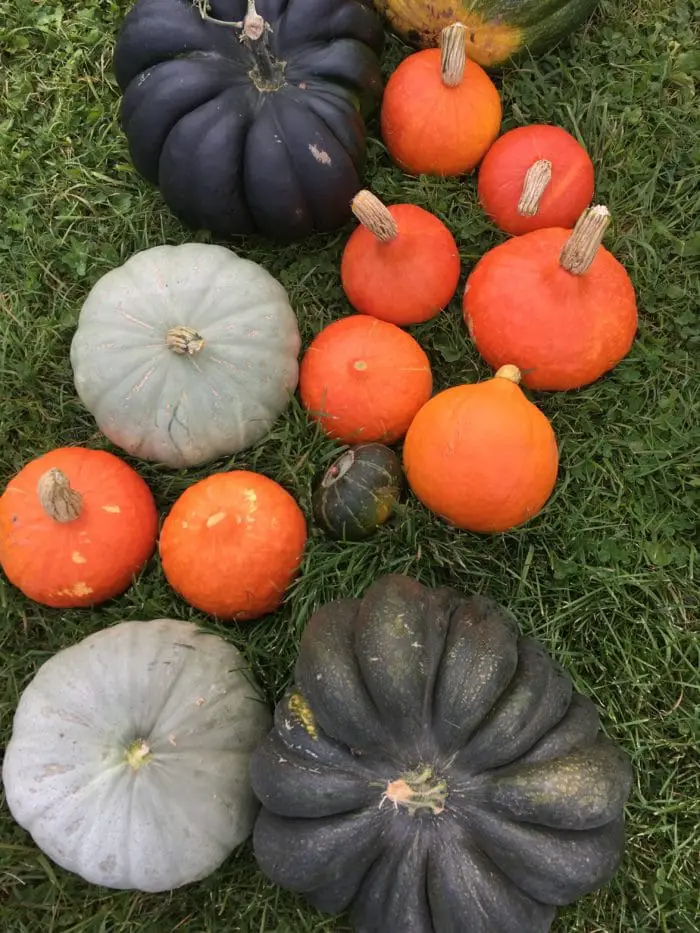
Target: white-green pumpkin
[128,762]
[186,353]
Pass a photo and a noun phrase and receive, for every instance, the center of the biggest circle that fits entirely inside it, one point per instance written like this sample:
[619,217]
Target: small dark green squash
[358,492]
[434,771]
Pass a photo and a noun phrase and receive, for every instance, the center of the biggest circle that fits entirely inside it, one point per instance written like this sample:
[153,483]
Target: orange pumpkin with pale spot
[76,526]
[232,543]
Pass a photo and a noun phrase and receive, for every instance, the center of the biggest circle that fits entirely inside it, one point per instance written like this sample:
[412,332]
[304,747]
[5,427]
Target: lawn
[606,576]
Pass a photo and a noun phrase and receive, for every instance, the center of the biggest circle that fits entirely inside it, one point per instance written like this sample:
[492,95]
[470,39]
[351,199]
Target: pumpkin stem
[267,73]
[374,216]
[137,754]
[58,500]
[417,790]
[453,54]
[509,372]
[537,177]
[184,340]
[580,249]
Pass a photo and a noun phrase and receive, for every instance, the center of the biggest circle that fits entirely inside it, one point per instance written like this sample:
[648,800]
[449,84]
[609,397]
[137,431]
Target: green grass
[606,576]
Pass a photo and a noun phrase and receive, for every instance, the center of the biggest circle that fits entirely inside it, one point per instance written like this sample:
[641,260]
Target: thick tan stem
[184,340]
[374,216]
[537,177]
[453,54]
[509,372]
[580,249]
[58,500]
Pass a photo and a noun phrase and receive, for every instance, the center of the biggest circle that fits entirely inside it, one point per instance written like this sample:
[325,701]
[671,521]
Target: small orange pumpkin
[482,456]
[401,264]
[232,543]
[535,176]
[440,112]
[364,380]
[555,303]
[76,526]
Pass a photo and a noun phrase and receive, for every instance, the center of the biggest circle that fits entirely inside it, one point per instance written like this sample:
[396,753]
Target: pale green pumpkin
[128,762]
[186,353]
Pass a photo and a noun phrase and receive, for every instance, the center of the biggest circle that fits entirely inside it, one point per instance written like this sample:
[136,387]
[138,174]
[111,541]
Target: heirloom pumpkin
[440,111]
[363,379]
[482,456]
[401,264]
[535,176]
[358,492]
[498,31]
[250,119]
[434,771]
[76,526]
[232,543]
[555,303]
[129,756]
[186,353]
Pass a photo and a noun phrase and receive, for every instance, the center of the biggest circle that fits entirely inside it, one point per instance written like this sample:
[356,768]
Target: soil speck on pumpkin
[114,509]
[78,558]
[320,155]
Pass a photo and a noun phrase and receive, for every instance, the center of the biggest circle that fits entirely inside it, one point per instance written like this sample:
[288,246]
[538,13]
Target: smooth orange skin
[502,173]
[232,543]
[562,331]
[375,403]
[482,456]
[407,280]
[88,560]
[432,129]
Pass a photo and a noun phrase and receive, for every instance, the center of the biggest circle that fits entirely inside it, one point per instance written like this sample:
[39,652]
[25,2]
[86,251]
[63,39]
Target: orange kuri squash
[555,303]
[482,456]
[232,543]
[401,264]
[364,379]
[440,112]
[76,525]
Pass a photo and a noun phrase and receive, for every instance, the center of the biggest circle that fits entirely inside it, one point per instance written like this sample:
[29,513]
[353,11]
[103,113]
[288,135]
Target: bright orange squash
[482,456]
[364,379]
[401,264]
[232,543]
[555,303]
[535,176]
[76,526]
[440,112]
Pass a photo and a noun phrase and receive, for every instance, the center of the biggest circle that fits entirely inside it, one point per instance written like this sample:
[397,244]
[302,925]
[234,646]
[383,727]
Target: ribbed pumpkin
[440,111]
[433,770]
[555,303]
[363,379]
[482,456]
[76,526]
[535,176]
[401,264]
[358,492]
[232,543]
[497,30]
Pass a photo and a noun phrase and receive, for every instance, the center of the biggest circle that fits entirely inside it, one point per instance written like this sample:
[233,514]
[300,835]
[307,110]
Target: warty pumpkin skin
[186,353]
[76,526]
[232,543]
[498,31]
[555,303]
[264,134]
[128,762]
[433,770]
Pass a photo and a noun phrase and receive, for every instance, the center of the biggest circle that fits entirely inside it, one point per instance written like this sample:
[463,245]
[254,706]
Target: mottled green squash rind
[498,31]
[358,492]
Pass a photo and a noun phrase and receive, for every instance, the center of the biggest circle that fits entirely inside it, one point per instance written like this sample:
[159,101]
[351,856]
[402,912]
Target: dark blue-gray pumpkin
[250,120]
[434,771]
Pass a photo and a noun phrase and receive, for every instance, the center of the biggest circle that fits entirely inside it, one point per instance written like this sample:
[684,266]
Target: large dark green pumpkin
[358,492]
[434,771]
[261,135]
[498,30]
